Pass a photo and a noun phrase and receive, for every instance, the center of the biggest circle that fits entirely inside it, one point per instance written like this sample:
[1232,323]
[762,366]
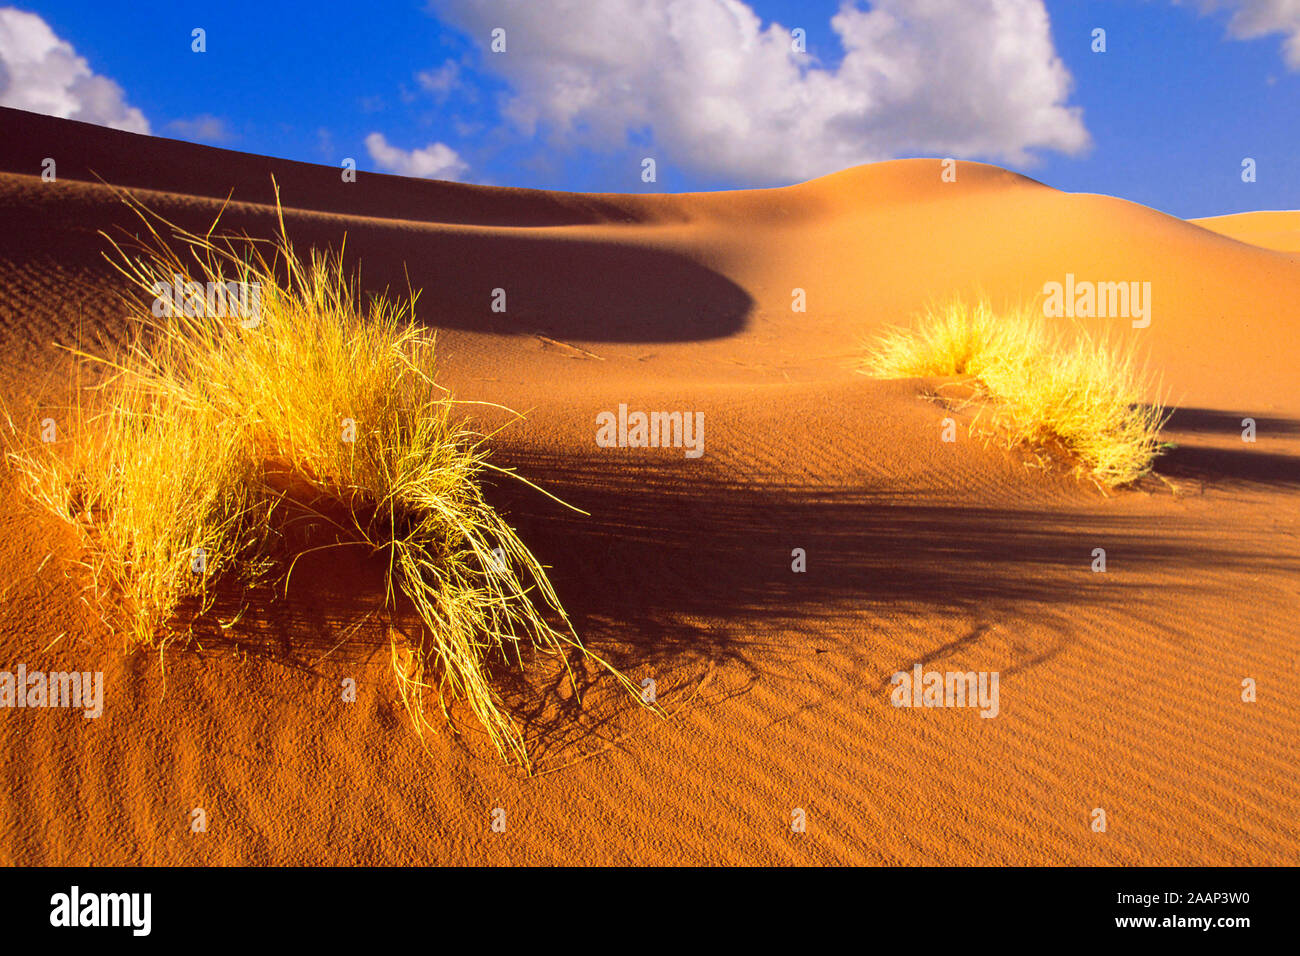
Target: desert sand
[1119,690]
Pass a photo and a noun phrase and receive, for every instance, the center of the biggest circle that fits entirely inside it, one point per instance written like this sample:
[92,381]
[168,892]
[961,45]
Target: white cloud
[442,80]
[42,73]
[722,94]
[435,161]
[204,128]
[1252,19]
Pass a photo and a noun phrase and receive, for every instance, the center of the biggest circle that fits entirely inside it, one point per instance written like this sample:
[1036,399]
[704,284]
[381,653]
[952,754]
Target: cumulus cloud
[435,161]
[42,73]
[1252,19]
[720,93]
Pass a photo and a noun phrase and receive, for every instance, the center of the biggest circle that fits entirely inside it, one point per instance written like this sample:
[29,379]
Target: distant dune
[1272,230]
[1119,690]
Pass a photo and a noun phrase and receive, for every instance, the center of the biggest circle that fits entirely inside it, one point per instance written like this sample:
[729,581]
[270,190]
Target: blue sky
[1184,92]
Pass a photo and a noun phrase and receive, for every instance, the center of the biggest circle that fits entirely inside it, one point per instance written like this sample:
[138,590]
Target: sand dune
[1271,229]
[1119,690]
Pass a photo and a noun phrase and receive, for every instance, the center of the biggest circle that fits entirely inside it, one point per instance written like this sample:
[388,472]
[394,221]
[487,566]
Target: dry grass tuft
[1037,386]
[209,434]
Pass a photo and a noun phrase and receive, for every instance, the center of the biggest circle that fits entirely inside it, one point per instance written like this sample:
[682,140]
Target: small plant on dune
[1037,386]
[198,447]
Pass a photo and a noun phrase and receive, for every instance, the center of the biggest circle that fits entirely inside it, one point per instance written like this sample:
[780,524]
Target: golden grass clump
[1039,386]
[219,433]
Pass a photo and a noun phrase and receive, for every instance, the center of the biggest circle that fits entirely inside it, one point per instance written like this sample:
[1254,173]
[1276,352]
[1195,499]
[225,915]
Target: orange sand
[1119,691]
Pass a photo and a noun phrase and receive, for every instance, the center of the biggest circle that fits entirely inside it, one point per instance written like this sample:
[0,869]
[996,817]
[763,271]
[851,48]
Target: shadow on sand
[674,572]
